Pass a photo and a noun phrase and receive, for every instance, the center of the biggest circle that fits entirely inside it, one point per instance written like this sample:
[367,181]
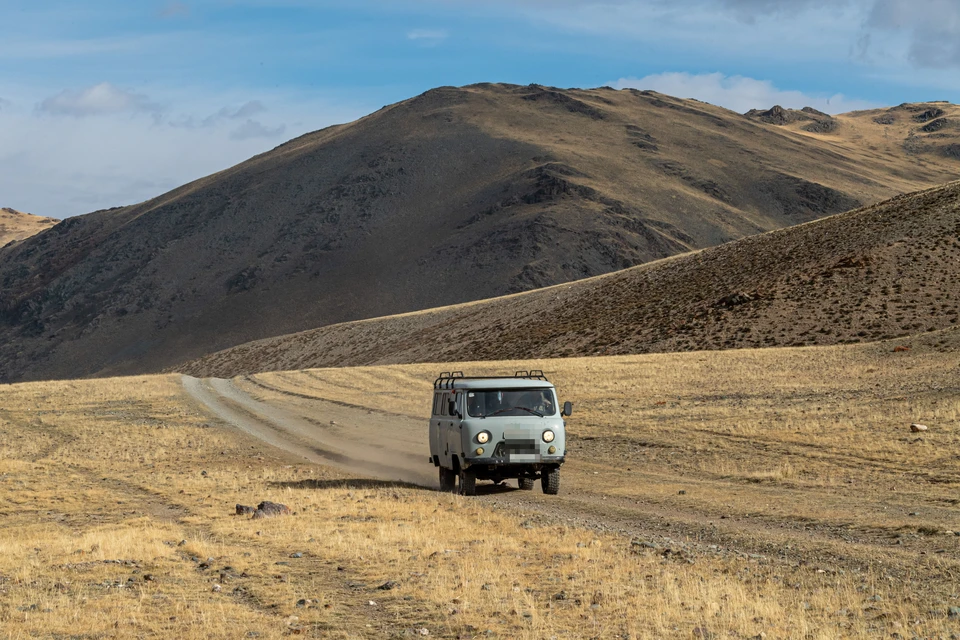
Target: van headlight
[484,437]
[548,436]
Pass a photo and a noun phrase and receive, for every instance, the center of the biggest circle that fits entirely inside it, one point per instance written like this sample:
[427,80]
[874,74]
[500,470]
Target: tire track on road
[289,429]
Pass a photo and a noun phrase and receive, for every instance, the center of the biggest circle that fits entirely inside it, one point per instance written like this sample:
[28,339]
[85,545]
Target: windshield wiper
[536,413]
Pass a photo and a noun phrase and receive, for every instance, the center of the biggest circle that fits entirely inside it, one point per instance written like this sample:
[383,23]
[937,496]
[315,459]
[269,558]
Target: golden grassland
[116,499]
[815,426]
[15,225]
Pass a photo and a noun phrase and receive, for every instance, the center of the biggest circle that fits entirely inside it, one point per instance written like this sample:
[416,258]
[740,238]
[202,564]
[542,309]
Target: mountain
[458,194]
[888,271]
[923,130]
[15,225]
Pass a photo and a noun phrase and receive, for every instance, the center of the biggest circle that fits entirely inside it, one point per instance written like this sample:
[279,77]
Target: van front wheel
[525,484]
[550,481]
[448,479]
[468,482]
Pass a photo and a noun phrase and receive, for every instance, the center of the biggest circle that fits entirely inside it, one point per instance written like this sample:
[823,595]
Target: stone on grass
[917,428]
[267,509]
[244,510]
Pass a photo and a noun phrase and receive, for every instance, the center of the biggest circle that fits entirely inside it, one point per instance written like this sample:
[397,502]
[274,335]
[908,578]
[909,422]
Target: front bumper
[515,460]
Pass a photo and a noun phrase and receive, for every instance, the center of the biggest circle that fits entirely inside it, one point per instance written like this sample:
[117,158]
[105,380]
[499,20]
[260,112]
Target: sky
[106,103]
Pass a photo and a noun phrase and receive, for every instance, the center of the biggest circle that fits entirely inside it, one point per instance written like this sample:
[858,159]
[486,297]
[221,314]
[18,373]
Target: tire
[550,481]
[468,482]
[525,484]
[448,480]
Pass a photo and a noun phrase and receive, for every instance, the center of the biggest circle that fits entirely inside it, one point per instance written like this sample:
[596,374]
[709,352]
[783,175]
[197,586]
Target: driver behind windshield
[510,403]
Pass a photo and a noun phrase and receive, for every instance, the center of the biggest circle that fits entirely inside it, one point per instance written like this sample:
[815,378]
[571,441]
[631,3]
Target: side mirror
[567,408]
[452,409]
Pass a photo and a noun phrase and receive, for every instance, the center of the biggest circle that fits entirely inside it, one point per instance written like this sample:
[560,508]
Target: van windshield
[511,402]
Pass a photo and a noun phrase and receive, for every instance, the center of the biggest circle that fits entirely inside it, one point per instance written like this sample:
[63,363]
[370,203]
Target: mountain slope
[925,131]
[15,225]
[886,271]
[455,195]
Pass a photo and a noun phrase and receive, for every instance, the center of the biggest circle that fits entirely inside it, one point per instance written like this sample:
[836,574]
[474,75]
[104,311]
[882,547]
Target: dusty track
[384,446]
[343,435]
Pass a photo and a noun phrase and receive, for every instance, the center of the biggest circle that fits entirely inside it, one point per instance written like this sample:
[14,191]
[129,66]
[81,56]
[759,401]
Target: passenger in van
[539,402]
[546,407]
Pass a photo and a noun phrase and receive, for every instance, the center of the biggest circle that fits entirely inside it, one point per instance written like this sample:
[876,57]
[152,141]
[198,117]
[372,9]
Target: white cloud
[931,29]
[428,36]
[221,116]
[63,166]
[909,33]
[715,28]
[254,129]
[174,10]
[749,10]
[100,99]
[738,93]
[247,109]
[25,47]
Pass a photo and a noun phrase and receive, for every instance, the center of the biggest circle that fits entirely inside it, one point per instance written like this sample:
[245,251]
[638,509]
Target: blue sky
[105,103]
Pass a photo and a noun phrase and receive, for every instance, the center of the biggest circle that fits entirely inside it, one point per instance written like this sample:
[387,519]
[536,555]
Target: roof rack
[447,379]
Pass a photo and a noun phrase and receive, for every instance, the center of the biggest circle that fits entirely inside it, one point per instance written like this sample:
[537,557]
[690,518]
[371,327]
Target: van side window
[436,404]
[444,405]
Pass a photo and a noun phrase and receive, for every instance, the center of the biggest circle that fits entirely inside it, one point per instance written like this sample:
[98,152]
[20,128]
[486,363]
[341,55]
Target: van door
[450,428]
[435,439]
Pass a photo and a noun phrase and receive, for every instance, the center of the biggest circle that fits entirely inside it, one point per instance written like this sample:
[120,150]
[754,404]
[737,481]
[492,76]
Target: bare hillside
[15,225]
[924,130]
[458,194]
[887,271]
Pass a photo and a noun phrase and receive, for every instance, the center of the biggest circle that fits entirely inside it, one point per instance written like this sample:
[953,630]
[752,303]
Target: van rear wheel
[525,484]
[448,479]
[468,482]
[550,481]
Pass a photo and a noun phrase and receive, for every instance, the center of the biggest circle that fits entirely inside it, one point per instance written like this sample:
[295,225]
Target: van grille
[515,447]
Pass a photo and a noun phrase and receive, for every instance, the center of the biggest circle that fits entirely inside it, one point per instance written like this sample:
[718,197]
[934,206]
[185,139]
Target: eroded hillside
[891,270]
[456,195]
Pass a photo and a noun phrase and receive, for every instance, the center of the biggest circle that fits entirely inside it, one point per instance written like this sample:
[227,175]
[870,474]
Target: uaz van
[497,428]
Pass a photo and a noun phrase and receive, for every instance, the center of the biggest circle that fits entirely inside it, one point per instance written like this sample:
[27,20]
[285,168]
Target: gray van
[497,428]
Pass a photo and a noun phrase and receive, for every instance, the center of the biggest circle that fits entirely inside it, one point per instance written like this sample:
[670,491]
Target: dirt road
[385,446]
[598,491]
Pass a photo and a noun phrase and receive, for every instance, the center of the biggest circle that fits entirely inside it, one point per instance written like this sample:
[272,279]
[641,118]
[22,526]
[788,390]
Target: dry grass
[96,472]
[15,225]
[803,418]
[802,447]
